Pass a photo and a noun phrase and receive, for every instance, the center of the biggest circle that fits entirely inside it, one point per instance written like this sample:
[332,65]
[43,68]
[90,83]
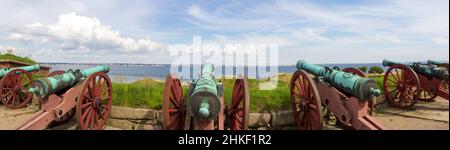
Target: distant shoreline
[127,73]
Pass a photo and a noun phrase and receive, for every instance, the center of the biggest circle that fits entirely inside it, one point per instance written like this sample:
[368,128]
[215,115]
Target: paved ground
[11,118]
[426,116]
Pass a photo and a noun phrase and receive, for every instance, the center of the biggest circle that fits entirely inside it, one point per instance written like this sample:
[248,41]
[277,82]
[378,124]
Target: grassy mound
[17,58]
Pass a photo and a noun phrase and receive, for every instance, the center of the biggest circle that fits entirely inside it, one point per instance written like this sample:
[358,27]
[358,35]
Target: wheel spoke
[87,120]
[237,102]
[174,102]
[106,89]
[173,110]
[296,93]
[306,87]
[298,86]
[96,119]
[90,88]
[20,81]
[312,106]
[395,90]
[106,98]
[14,99]
[303,86]
[92,119]
[237,93]
[397,76]
[97,86]
[177,89]
[89,98]
[86,105]
[86,112]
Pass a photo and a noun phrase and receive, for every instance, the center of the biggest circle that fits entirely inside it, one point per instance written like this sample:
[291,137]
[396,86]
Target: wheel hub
[96,104]
[17,88]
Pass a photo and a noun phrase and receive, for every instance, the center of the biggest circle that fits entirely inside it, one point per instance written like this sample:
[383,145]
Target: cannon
[438,63]
[86,94]
[405,84]
[316,91]
[443,64]
[14,84]
[205,104]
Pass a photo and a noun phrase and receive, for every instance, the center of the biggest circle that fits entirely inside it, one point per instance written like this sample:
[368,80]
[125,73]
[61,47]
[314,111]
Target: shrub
[363,68]
[376,69]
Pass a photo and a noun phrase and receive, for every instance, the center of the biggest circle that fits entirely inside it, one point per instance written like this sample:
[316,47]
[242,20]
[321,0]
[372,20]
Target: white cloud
[195,11]
[303,28]
[441,40]
[76,32]
[309,34]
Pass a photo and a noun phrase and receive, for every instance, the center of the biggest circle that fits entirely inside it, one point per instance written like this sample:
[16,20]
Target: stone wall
[149,119]
[379,100]
[134,118]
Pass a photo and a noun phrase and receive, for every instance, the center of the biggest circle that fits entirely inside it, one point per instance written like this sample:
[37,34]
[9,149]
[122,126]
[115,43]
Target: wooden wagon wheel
[427,95]
[401,86]
[360,73]
[173,109]
[238,113]
[67,116]
[305,102]
[14,88]
[94,103]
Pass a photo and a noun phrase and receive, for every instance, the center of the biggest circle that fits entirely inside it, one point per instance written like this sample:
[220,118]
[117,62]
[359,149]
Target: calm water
[131,72]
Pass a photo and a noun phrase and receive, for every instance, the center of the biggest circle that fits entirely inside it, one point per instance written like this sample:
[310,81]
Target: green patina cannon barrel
[6,70]
[360,87]
[436,62]
[51,85]
[426,70]
[204,102]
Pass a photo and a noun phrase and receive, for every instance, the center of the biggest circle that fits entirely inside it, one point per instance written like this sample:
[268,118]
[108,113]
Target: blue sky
[319,31]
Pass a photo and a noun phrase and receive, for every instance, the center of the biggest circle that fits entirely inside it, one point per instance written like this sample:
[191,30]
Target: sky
[150,32]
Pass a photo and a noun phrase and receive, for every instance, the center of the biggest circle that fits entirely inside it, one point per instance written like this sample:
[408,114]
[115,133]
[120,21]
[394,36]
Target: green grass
[148,93]
[379,80]
[17,58]
[262,100]
[36,76]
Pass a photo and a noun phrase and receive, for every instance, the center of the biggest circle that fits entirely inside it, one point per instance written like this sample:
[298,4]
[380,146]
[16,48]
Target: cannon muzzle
[51,85]
[390,63]
[204,103]
[362,88]
[436,62]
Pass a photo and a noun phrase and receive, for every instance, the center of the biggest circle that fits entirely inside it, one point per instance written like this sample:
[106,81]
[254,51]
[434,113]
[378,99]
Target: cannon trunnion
[86,94]
[318,91]
[405,84]
[204,104]
[14,86]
